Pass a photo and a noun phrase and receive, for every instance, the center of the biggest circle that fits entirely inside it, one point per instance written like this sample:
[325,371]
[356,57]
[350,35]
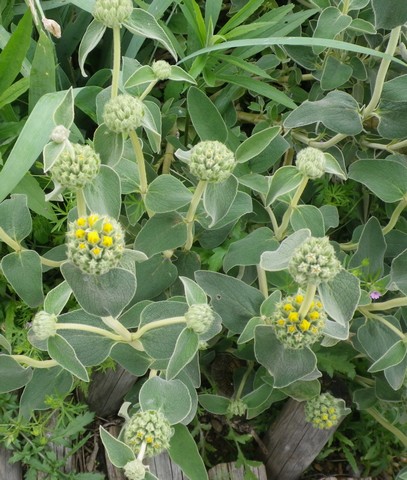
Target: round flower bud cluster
[161,69]
[211,161]
[311,162]
[149,427]
[95,243]
[314,261]
[236,408]
[293,331]
[112,13]
[325,411]
[123,113]
[199,317]
[44,325]
[135,470]
[77,167]
[60,134]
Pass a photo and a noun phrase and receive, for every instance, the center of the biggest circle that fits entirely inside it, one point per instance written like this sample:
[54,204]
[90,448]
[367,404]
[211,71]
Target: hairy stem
[382,320]
[308,299]
[116,60]
[80,202]
[293,204]
[138,151]
[387,425]
[262,279]
[200,188]
[244,380]
[91,329]
[395,216]
[381,74]
[117,327]
[34,363]
[157,324]
[148,90]
[379,306]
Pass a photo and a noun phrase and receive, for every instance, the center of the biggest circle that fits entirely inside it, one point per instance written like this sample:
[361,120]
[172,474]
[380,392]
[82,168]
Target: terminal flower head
[311,162]
[112,13]
[293,331]
[325,411]
[123,113]
[211,161]
[95,243]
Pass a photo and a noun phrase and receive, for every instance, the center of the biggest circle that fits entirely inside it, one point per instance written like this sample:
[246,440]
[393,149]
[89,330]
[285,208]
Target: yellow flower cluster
[95,243]
[325,411]
[293,331]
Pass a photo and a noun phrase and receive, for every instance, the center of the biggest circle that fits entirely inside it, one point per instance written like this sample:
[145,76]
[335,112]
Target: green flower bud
[76,167]
[149,427]
[199,317]
[325,411]
[293,331]
[95,243]
[135,470]
[44,325]
[60,134]
[123,113]
[211,161]
[236,408]
[112,13]
[314,261]
[161,69]
[311,162]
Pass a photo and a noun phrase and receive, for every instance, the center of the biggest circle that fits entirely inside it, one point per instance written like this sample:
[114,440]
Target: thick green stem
[166,322]
[148,89]
[381,74]
[387,425]
[293,204]
[398,145]
[380,306]
[382,320]
[270,212]
[395,216]
[200,188]
[315,143]
[244,380]
[138,151]
[116,60]
[117,327]
[262,279]
[4,237]
[91,329]
[34,363]
[308,299]
[80,202]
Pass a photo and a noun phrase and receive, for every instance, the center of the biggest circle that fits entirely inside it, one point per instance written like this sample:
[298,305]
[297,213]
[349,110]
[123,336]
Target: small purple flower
[374,295]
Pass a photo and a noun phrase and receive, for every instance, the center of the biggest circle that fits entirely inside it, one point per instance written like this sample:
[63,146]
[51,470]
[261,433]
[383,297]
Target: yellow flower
[288,307]
[93,236]
[107,227]
[292,329]
[149,439]
[80,233]
[107,241]
[96,251]
[81,221]
[299,298]
[281,322]
[314,315]
[293,317]
[304,325]
[82,246]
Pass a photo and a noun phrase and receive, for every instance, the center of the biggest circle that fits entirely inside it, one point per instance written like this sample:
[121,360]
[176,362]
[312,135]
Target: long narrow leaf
[303,41]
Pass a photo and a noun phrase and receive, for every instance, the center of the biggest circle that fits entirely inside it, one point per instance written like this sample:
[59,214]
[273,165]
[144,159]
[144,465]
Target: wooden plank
[107,389]
[292,443]
[9,471]
[164,468]
[229,471]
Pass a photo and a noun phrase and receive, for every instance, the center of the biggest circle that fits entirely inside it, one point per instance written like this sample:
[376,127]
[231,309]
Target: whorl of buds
[211,161]
[123,113]
[311,162]
[135,470]
[313,262]
[76,167]
[161,69]
[236,408]
[150,428]
[199,317]
[325,411]
[95,243]
[60,134]
[112,13]
[293,331]
[44,325]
